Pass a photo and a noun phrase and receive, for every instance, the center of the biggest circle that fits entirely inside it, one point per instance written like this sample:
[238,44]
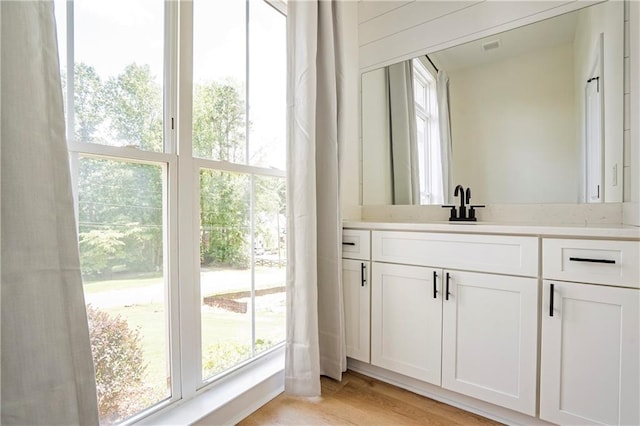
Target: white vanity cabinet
[472,333]
[490,338]
[356,272]
[590,357]
[406,320]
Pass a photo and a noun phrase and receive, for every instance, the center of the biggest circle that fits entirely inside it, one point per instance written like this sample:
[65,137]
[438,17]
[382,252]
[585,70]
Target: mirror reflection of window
[428,133]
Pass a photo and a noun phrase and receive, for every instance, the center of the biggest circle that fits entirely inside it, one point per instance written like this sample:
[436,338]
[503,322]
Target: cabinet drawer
[591,261]
[483,253]
[356,244]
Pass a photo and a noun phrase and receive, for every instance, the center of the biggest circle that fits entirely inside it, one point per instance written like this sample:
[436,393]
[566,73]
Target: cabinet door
[356,290]
[406,320]
[590,368]
[490,338]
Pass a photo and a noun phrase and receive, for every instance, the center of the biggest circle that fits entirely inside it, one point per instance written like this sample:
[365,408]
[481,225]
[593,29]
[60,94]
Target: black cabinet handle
[435,286]
[446,294]
[551,286]
[586,259]
[363,274]
[348,243]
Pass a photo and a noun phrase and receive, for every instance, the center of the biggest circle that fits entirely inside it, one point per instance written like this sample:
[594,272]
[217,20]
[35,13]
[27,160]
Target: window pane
[118,72]
[270,260]
[120,217]
[267,85]
[219,70]
[225,274]
[420,95]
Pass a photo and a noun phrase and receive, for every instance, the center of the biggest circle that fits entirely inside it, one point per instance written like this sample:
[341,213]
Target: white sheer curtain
[404,143]
[315,342]
[442,90]
[47,369]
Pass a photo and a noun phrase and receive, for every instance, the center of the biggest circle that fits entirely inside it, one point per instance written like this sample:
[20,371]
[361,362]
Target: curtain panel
[404,141]
[47,370]
[444,122]
[315,343]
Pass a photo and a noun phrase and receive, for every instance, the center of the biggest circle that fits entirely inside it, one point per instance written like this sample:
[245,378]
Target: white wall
[376,156]
[606,18]
[518,113]
[350,129]
[631,209]
[391,31]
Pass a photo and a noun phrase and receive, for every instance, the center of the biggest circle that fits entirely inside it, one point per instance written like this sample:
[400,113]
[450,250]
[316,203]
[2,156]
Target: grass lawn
[123,284]
[218,325]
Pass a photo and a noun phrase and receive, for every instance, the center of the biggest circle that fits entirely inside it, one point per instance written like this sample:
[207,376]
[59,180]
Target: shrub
[223,355]
[119,363]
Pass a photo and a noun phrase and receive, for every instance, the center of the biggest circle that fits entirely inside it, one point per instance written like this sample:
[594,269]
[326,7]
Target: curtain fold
[315,343]
[47,369]
[444,121]
[404,143]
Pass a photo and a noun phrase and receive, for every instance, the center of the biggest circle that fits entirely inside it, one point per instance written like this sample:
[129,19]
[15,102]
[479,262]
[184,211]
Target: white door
[406,320]
[490,338]
[356,290]
[590,367]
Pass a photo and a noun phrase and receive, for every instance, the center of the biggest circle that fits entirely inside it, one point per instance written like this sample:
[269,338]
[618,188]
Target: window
[167,210]
[428,134]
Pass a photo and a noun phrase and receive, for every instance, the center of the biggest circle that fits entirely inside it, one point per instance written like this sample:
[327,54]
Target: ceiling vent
[490,45]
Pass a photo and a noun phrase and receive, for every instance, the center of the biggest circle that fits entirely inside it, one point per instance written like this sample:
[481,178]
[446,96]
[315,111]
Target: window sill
[230,399]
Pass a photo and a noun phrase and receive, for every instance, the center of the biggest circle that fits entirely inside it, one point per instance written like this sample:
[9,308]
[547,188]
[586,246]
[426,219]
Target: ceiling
[539,35]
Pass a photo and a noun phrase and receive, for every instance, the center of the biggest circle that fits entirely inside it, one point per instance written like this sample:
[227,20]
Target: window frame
[429,115]
[181,209]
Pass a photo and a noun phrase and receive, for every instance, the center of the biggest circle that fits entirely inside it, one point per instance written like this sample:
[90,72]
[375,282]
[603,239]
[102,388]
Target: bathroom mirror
[533,115]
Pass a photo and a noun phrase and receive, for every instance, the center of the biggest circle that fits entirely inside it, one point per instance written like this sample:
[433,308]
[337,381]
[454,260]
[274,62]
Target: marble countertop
[574,231]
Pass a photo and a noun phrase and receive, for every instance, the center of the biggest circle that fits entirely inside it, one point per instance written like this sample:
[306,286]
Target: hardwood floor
[360,400]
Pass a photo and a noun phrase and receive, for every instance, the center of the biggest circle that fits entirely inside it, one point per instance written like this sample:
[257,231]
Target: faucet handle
[472,211]
[454,214]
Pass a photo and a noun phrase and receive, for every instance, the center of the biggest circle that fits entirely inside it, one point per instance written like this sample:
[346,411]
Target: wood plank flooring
[360,400]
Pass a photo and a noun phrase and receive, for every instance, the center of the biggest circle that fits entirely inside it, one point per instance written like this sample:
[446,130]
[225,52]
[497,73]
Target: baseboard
[454,399]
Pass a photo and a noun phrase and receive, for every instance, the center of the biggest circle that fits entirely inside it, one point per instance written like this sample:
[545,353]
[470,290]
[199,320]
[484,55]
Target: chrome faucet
[460,215]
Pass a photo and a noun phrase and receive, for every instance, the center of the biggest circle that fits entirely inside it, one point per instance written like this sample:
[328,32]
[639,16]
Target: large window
[151,153]
[428,134]
[239,137]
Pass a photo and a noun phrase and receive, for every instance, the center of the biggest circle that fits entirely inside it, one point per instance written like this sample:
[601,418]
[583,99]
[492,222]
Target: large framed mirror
[531,115]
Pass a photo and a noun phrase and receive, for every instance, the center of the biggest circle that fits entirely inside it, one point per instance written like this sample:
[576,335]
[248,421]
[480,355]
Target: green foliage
[88,103]
[120,212]
[119,363]
[120,204]
[218,122]
[224,219]
[99,250]
[134,103]
[223,355]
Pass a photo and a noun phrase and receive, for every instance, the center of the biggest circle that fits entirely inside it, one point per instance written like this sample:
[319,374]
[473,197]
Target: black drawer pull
[586,259]
[348,243]
[446,292]
[551,288]
[435,286]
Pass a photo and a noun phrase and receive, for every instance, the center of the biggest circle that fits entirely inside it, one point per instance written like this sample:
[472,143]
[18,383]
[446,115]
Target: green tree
[134,106]
[88,103]
[219,133]
[120,215]
[224,219]
[218,122]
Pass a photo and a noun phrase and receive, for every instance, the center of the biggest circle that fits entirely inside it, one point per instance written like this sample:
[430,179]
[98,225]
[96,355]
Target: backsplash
[530,214]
